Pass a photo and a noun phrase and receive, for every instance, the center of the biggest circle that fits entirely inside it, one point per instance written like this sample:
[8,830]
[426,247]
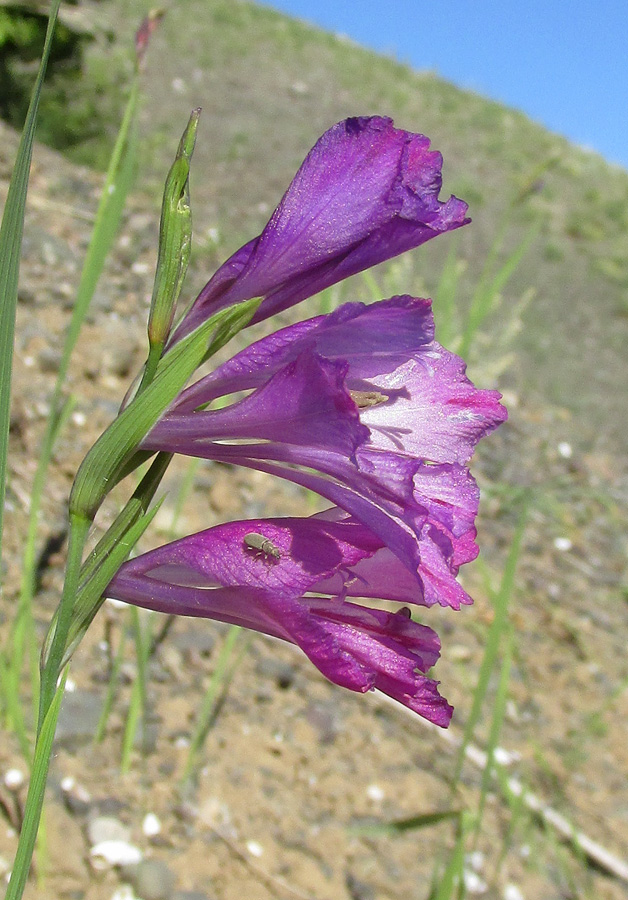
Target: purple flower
[365,408]
[361,406]
[297,592]
[366,192]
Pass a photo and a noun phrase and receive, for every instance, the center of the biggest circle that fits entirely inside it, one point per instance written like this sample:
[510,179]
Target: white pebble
[13,779]
[563,544]
[106,829]
[115,853]
[565,450]
[124,892]
[505,757]
[151,825]
[512,892]
[476,860]
[79,418]
[473,883]
[375,792]
[255,848]
[70,786]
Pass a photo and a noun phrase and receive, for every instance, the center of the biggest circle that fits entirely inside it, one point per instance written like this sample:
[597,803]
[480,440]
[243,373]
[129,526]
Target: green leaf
[107,460]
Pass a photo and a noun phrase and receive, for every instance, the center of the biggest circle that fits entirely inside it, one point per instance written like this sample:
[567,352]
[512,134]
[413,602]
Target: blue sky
[563,62]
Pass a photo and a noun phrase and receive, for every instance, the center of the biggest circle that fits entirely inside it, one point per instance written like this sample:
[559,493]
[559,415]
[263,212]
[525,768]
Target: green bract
[108,459]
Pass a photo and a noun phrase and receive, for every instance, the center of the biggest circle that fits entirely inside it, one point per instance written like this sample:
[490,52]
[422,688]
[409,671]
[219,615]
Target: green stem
[154,355]
[79,528]
[35,798]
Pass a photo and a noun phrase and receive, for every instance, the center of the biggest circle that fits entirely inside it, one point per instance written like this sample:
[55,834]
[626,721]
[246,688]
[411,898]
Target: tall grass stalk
[141,628]
[446,293]
[492,282]
[497,722]
[112,684]
[11,232]
[501,601]
[226,667]
[21,639]
[450,883]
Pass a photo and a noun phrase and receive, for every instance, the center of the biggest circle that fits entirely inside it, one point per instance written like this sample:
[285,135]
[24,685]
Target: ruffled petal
[365,193]
[219,574]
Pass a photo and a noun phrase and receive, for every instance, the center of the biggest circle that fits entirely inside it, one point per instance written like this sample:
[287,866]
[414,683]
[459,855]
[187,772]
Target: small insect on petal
[366,399]
[264,547]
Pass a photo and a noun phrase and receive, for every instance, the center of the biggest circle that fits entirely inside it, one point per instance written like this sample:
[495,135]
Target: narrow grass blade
[448,325]
[219,683]
[497,629]
[451,883]
[112,684]
[137,707]
[499,712]
[411,823]
[11,232]
[371,282]
[490,285]
[117,185]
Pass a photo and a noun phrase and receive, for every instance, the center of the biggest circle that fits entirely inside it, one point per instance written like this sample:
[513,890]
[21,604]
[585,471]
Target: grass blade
[497,629]
[490,286]
[411,823]
[447,327]
[11,232]
[499,712]
[219,684]
[136,715]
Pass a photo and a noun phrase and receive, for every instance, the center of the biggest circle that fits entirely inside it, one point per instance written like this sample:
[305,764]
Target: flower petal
[304,403]
[216,574]
[373,339]
[365,193]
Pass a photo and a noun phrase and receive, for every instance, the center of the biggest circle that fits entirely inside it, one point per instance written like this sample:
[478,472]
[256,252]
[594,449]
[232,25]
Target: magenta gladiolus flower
[298,593]
[366,192]
[365,408]
[361,406]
